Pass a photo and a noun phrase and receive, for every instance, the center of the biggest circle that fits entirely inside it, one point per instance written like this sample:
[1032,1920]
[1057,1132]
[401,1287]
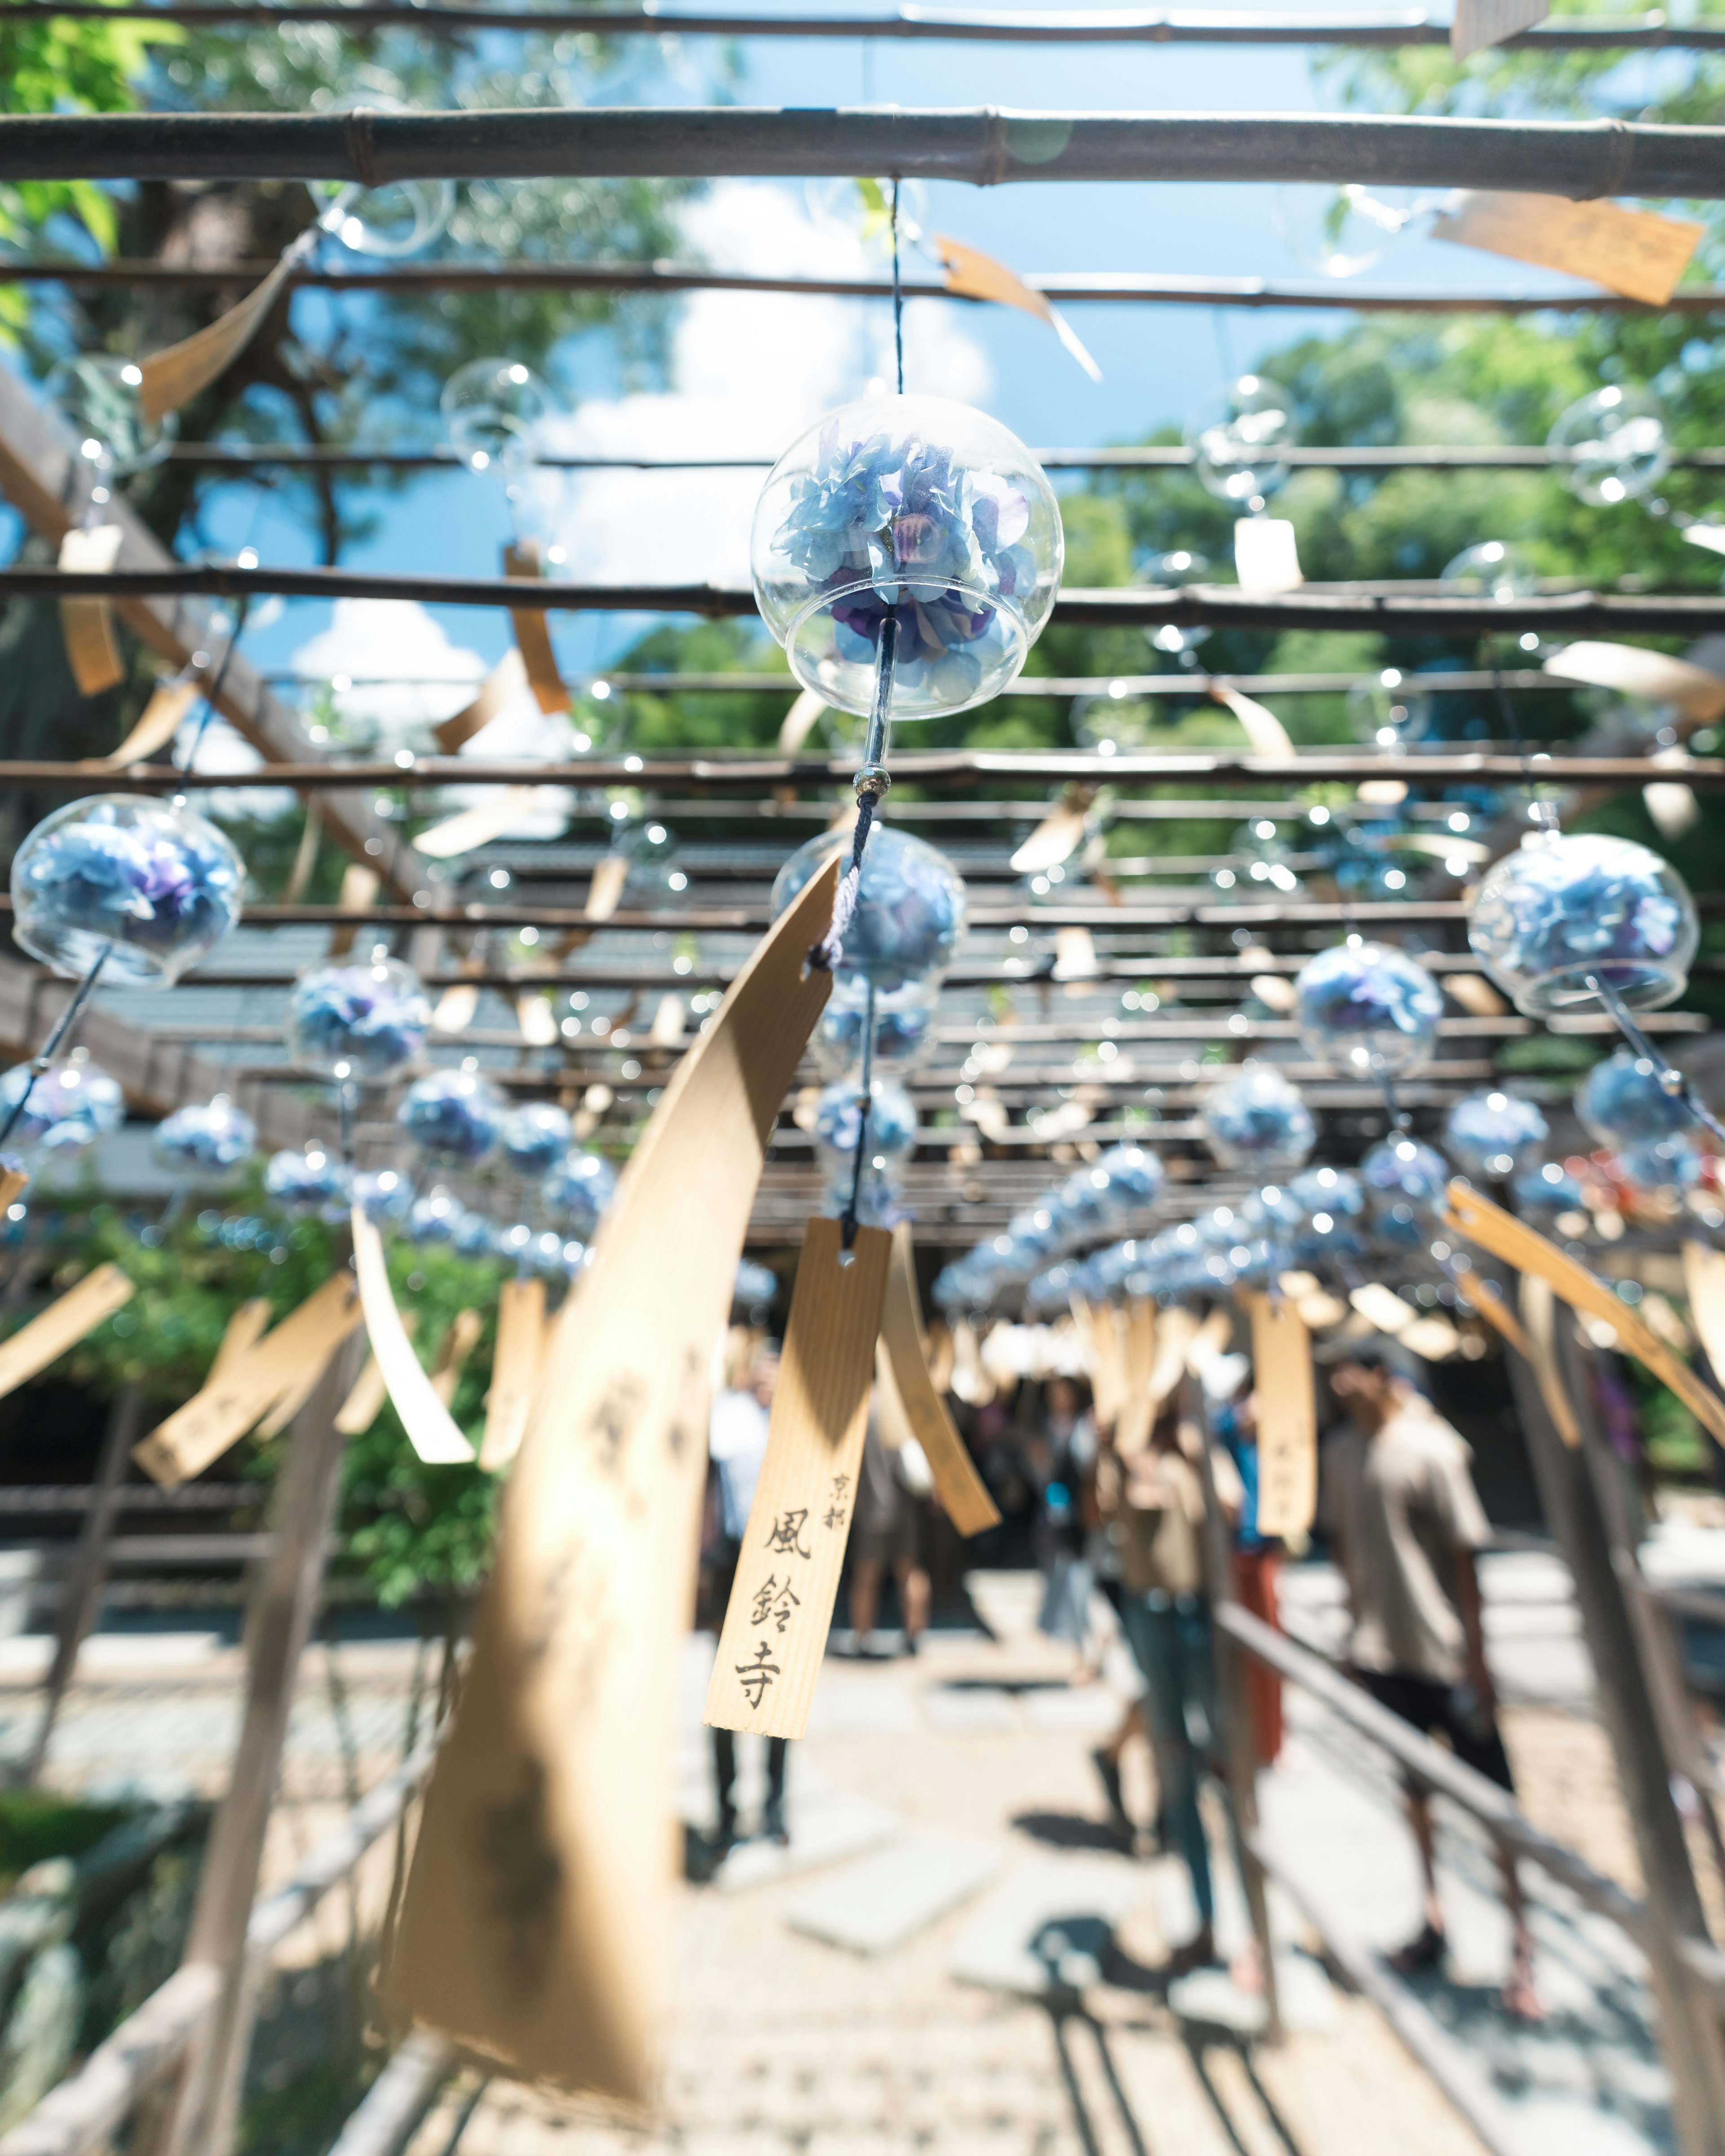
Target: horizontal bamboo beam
[984,145]
[1066,289]
[1028,26]
[927,767]
[1390,610]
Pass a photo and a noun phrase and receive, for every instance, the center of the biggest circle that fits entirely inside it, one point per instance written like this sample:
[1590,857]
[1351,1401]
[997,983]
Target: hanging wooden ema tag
[515,1370]
[1480,23]
[497,692]
[158,723]
[974,276]
[360,886]
[1137,1412]
[478,826]
[1287,1417]
[87,625]
[775,1631]
[365,1403]
[535,1923]
[963,1496]
[249,1384]
[1265,732]
[532,631]
[1704,1284]
[173,376]
[15,1181]
[62,1325]
[1654,676]
[1628,251]
[1266,555]
[1059,835]
[1517,1244]
[431,1430]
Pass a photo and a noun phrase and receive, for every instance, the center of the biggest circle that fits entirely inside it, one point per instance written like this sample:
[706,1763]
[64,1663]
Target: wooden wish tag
[774,1637]
[1266,555]
[173,376]
[62,1325]
[1265,732]
[365,1403]
[536,1922]
[478,826]
[87,625]
[240,1335]
[1176,1331]
[974,276]
[159,722]
[1628,251]
[455,1355]
[15,1181]
[515,1370]
[1480,23]
[497,692]
[532,631]
[1704,1284]
[1539,1343]
[1517,1244]
[799,722]
[1287,1416]
[1137,1412]
[1059,835]
[431,1430]
[358,893]
[229,1404]
[963,1494]
[1692,690]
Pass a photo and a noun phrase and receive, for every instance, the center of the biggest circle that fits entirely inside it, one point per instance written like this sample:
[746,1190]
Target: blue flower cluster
[579,1189]
[1493,1134]
[1256,1120]
[1405,1184]
[536,1136]
[152,886]
[903,1024]
[1542,1193]
[1368,1006]
[892,1124]
[756,1286]
[1553,914]
[310,1182]
[210,1137]
[71,1106]
[372,1017]
[455,1117]
[1122,1187]
[910,908]
[1622,1102]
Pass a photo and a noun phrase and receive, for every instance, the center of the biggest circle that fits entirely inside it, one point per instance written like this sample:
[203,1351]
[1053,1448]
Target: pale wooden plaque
[535,1923]
[87,625]
[497,691]
[799,721]
[963,1494]
[173,376]
[1694,691]
[1287,1417]
[1137,1413]
[532,632]
[64,1323]
[455,1355]
[974,276]
[1265,732]
[1479,24]
[1267,557]
[431,1430]
[1056,838]
[158,722]
[774,1638]
[1627,250]
[15,1181]
[477,826]
[229,1404]
[1517,1244]
[1704,1284]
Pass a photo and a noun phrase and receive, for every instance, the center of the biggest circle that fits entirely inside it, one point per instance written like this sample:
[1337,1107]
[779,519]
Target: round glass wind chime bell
[906,552]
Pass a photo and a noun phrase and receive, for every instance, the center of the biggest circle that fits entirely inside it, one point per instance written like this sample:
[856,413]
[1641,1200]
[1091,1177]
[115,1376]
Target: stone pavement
[1000,1991]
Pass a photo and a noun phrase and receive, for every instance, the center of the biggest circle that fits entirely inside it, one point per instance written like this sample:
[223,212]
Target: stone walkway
[955,1953]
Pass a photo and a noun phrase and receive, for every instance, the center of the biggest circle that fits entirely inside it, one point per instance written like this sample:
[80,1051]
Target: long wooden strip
[1519,1246]
[1137,1413]
[159,722]
[227,1406]
[62,1325]
[241,1334]
[1704,1283]
[515,1370]
[87,625]
[1265,732]
[1287,1416]
[1539,1308]
[536,1926]
[962,1493]
[532,632]
[497,691]
[1627,250]
[453,1358]
[774,1637]
[1479,24]
[431,1430]
[15,1181]
[173,376]
[478,825]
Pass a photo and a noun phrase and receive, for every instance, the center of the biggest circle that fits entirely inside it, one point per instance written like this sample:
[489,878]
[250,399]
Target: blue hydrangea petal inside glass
[920,511]
[209,1137]
[153,887]
[1367,1007]
[536,1137]
[70,1105]
[455,1117]
[579,1189]
[1622,1102]
[310,1182]
[371,1017]
[909,910]
[1493,1134]
[1561,913]
[1256,1120]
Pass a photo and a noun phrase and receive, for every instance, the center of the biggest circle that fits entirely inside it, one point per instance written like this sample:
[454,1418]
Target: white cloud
[750,372]
[406,673]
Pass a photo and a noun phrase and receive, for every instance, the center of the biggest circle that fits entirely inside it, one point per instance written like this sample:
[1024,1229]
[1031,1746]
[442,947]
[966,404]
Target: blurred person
[1405,1525]
[885,1532]
[1065,1456]
[1257,1563]
[737,1444]
[1157,1499]
[1102,1541]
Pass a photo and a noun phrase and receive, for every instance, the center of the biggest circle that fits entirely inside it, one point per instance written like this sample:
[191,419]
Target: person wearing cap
[1405,1525]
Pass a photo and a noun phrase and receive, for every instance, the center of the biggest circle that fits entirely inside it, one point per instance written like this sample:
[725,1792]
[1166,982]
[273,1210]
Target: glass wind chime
[906,553]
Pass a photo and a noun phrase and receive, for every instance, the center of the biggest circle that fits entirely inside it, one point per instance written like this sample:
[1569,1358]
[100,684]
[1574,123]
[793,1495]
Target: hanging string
[214,692]
[898,298]
[1541,814]
[68,1019]
[865,1101]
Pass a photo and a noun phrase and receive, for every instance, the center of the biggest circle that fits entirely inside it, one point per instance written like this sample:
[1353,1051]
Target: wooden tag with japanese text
[963,1494]
[775,1632]
[431,1430]
[1287,1416]
[1629,251]
[1519,1246]
[515,1370]
[87,625]
[536,1926]
[62,1325]
[229,1404]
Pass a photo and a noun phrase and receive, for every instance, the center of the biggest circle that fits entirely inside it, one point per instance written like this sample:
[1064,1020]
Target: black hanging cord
[215,687]
[68,1019]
